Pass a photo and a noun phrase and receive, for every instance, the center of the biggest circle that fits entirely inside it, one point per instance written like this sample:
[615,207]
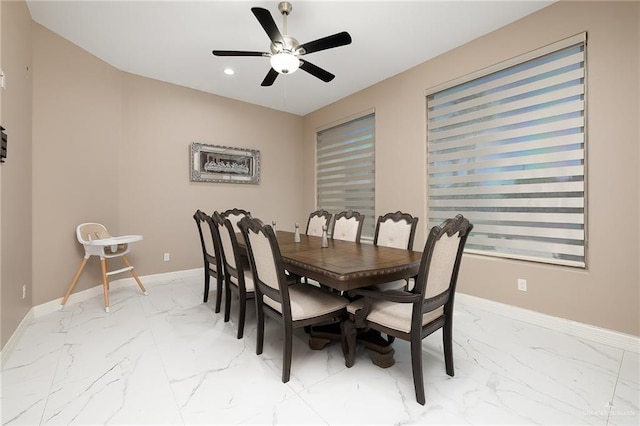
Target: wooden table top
[345,265]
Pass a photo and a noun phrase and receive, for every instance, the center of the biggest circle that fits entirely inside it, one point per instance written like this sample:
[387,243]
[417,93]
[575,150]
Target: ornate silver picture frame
[213,163]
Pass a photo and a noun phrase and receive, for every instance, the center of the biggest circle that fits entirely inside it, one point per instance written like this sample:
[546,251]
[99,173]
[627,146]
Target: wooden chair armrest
[397,296]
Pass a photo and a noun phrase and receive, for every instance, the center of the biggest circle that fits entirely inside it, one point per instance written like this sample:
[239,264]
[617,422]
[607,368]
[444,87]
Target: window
[507,150]
[345,167]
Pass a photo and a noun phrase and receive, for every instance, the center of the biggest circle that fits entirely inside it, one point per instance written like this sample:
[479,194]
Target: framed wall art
[213,163]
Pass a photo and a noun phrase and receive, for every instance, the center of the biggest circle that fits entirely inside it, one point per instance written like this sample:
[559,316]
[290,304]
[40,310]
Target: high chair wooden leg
[105,284]
[106,270]
[73,283]
[135,276]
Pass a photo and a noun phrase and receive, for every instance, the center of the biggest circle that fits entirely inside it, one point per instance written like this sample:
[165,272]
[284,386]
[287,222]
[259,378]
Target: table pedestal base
[379,347]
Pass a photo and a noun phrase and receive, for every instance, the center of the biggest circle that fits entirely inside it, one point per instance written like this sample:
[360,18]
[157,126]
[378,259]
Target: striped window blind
[507,150]
[345,167]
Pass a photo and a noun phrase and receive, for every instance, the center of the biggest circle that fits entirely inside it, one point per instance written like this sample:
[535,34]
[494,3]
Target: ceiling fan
[286,51]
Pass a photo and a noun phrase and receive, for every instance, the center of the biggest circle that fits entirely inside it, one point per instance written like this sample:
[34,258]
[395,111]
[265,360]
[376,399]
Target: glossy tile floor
[167,358]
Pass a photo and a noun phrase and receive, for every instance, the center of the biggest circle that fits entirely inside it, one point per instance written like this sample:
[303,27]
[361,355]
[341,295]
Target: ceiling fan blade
[335,40]
[238,53]
[270,78]
[268,24]
[316,71]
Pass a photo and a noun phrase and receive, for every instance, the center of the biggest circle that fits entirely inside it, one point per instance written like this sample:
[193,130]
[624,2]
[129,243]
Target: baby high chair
[97,242]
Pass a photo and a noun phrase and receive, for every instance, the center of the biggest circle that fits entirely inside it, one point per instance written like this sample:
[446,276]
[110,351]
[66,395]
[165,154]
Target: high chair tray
[111,241]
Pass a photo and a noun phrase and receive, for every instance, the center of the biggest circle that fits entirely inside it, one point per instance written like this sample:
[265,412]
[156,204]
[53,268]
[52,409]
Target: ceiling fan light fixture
[285,63]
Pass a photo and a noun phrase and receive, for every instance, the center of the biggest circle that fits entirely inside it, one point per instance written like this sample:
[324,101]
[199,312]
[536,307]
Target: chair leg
[260,323]
[206,285]
[288,349]
[218,291]
[106,268]
[416,364]
[73,283]
[105,283]
[135,275]
[227,300]
[348,337]
[241,313]
[447,342]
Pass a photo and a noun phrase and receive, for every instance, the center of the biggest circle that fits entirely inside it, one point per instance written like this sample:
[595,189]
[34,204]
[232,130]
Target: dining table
[344,266]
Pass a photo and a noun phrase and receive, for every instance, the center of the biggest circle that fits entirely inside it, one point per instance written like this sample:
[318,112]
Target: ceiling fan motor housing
[290,45]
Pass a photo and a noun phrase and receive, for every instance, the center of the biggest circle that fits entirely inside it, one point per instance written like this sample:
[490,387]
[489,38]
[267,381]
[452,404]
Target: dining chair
[97,241]
[395,230]
[347,226]
[234,215]
[211,255]
[237,278]
[412,316]
[293,305]
[316,221]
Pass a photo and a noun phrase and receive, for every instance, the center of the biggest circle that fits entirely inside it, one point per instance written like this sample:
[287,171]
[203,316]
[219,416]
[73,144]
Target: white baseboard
[605,336]
[147,280]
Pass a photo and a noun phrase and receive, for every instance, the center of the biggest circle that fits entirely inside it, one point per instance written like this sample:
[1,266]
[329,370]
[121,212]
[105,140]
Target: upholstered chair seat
[392,315]
[396,285]
[248,281]
[307,302]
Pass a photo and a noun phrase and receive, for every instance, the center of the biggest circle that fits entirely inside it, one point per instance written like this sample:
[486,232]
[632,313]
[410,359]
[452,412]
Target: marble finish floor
[167,358]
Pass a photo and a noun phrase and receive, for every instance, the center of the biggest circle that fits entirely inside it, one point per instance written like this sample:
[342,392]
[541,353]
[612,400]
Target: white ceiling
[172,40]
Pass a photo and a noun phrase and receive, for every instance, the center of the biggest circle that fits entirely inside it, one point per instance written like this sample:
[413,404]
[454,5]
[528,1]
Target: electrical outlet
[167,257]
[24,291]
[522,284]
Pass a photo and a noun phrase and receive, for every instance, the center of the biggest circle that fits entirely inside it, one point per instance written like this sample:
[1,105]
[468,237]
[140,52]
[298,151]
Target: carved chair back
[395,230]
[347,226]
[316,221]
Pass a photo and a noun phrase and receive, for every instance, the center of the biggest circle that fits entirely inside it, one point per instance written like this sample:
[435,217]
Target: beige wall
[77,135]
[15,181]
[156,197]
[114,148]
[606,294]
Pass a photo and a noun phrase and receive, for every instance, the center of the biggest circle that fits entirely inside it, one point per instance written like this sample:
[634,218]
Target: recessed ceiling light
[229,71]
